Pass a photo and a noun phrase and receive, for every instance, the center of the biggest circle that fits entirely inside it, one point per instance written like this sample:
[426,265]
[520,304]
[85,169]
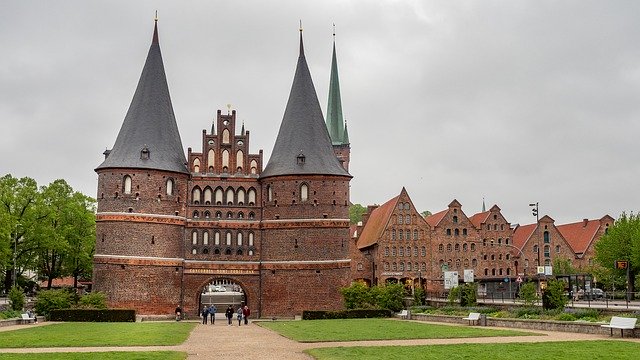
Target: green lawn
[125,355]
[577,350]
[377,329]
[98,334]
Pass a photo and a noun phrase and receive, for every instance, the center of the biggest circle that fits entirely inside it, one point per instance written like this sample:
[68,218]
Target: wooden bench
[621,323]
[472,318]
[403,314]
[26,319]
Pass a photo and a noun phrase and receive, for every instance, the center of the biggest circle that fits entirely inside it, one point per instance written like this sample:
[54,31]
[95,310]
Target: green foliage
[93,315]
[418,296]
[95,300]
[52,300]
[567,317]
[553,296]
[528,293]
[357,296]
[389,296]
[9,314]
[16,299]
[563,266]
[454,296]
[355,213]
[621,242]
[425,213]
[346,314]
[528,312]
[469,294]
[588,314]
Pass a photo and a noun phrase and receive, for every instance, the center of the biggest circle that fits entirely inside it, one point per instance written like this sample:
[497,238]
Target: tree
[553,296]
[425,213]
[528,293]
[563,266]
[621,242]
[355,213]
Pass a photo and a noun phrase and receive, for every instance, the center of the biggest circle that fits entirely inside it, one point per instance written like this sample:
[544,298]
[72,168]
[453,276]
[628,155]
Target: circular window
[240,143]
[225,122]
[211,142]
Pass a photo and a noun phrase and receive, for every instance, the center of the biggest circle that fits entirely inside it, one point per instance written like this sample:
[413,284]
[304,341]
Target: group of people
[242,314]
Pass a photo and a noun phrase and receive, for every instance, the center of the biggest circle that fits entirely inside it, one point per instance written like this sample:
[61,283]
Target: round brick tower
[142,187]
[305,222]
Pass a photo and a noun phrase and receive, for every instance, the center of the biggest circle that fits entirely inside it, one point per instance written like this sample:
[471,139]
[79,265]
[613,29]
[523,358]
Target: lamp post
[15,251]
[535,212]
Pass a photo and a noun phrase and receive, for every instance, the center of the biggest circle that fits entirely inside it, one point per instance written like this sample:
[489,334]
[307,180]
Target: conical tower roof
[335,123]
[149,136]
[303,145]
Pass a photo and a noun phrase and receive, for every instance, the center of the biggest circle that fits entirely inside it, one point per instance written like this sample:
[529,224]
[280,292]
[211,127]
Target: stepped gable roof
[580,234]
[522,234]
[149,136]
[377,222]
[303,145]
[478,219]
[434,219]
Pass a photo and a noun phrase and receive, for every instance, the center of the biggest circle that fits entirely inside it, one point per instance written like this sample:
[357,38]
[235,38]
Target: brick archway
[222,291]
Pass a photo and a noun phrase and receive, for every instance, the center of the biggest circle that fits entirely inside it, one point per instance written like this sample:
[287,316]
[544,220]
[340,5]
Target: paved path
[222,341]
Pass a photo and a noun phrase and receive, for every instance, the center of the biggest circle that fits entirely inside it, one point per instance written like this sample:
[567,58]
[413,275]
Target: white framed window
[127,184]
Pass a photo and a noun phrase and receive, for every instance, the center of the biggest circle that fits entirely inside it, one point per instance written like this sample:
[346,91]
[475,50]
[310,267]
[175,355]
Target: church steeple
[149,136]
[335,122]
[303,145]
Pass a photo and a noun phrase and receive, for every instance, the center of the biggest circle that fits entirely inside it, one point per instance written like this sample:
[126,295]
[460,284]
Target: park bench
[26,319]
[621,323]
[472,318]
[403,314]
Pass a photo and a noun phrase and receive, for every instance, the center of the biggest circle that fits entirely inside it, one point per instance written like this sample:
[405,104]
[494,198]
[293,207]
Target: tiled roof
[376,223]
[579,235]
[479,218]
[434,219]
[522,234]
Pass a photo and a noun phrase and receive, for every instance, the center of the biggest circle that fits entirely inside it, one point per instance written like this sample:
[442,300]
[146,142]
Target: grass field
[577,350]
[377,329]
[125,355]
[98,334]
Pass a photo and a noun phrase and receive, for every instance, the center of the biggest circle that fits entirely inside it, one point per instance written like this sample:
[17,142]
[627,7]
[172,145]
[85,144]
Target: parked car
[591,294]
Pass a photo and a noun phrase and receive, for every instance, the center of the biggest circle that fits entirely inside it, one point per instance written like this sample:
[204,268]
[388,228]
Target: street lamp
[534,211]
[15,251]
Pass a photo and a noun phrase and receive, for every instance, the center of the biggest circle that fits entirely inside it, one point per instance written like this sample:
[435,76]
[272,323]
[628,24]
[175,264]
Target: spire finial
[483,207]
[334,31]
[156,17]
[155,29]
[228,109]
[301,46]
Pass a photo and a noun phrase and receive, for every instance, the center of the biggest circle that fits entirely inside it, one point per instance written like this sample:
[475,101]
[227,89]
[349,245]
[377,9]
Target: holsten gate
[172,230]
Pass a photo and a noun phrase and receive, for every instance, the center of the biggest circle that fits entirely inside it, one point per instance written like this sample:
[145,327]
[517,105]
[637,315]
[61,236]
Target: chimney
[585,222]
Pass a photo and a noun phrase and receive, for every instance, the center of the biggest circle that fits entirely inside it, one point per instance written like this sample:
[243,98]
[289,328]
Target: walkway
[254,342]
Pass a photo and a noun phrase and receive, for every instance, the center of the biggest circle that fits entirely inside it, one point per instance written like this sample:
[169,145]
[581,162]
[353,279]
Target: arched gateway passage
[222,292]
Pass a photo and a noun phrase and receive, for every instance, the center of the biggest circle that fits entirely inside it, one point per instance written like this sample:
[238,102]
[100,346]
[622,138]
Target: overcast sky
[513,101]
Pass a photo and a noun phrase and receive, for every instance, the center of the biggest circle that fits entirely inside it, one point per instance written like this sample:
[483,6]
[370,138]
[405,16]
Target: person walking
[229,314]
[205,314]
[178,313]
[245,314]
[212,311]
[239,315]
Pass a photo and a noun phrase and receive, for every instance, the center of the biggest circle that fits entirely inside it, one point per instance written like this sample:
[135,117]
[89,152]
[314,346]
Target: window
[407,219]
[205,238]
[252,197]
[269,193]
[196,165]
[386,266]
[547,251]
[499,241]
[241,196]
[394,267]
[304,192]
[401,266]
[230,196]
[207,195]
[359,266]
[473,247]
[393,234]
[250,252]
[207,214]
[415,251]
[441,248]
[423,266]
[448,232]
[254,167]
[211,159]
[400,219]
[448,247]
[464,247]
[464,232]
[401,251]
[239,160]
[127,184]
[216,238]
[194,238]
[194,251]
[218,215]
[195,195]
[547,238]
[457,263]
[535,249]
[558,249]
[400,234]
[169,186]
[408,234]
[386,251]
[251,239]
[456,232]
[393,251]
[474,262]
[239,239]
[457,247]
[415,234]
[455,219]
[408,252]
[225,161]
[423,251]
[228,239]
[225,136]
[409,266]
[196,214]
[218,196]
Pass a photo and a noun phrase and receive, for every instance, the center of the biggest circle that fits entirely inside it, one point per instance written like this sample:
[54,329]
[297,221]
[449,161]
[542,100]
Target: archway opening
[222,292]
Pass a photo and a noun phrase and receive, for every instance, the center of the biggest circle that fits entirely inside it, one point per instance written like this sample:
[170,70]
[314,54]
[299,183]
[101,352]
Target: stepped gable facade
[383,250]
[169,226]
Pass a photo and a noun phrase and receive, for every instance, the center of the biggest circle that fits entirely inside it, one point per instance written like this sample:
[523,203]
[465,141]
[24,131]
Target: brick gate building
[169,225]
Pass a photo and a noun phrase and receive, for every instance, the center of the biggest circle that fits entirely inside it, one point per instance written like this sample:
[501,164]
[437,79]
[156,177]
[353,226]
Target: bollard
[483,320]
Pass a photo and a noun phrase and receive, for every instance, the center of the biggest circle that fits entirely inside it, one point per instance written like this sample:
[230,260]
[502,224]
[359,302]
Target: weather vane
[156,18]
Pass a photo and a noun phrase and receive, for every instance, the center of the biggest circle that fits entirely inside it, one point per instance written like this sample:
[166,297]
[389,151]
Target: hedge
[93,315]
[346,314]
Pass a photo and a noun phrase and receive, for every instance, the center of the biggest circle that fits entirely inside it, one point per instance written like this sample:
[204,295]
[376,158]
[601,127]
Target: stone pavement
[254,342]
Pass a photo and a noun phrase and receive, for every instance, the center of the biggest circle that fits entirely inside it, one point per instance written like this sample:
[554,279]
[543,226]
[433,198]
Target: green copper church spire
[335,123]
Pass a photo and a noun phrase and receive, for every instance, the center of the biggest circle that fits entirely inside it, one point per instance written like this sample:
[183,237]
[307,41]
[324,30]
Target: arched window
[401,266]
[456,232]
[194,251]
[207,214]
[127,185]
[211,159]
[535,249]
[408,266]
[401,251]
[239,252]
[218,215]
[205,238]
[269,193]
[386,266]
[474,262]
[455,219]
[228,239]
[239,239]
[230,195]
[457,263]
[547,238]
[407,219]
[547,251]
[216,238]
[196,165]
[400,218]
[408,252]
[225,159]
[207,195]
[415,234]
[196,214]
[394,267]
[229,215]
[250,252]
[227,252]
[218,196]
[240,215]
[393,234]
[254,167]
[464,247]
[448,247]
[400,234]
[386,251]
[423,266]
[408,234]
[441,248]
[457,247]
[252,215]
[423,251]
[169,186]
[252,197]
[194,238]
[473,247]
[241,196]
[195,195]
[558,249]
[304,192]
[393,251]
[225,136]
[239,160]
[250,239]
[415,251]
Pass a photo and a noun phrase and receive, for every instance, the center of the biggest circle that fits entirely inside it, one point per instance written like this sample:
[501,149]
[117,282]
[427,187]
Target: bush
[9,314]
[528,312]
[357,296]
[553,297]
[528,293]
[93,315]
[469,295]
[389,296]
[418,296]
[52,300]
[345,314]
[454,296]
[96,300]
[566,317]
[16,299]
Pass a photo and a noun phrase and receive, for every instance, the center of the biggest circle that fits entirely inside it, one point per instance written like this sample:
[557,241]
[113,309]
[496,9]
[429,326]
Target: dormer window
[300,159]
[144,153]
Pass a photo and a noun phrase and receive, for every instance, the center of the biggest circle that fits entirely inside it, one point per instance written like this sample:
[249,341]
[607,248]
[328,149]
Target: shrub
[528,293]
[9,314]
[528,312]
[346,314]
[418,296]
[587,314]
[94,315]
[51,300]
[357,296]
[96,300]
[566,317]
[389,296]
[469,295]
[454,296]
[553,296]
[16,299]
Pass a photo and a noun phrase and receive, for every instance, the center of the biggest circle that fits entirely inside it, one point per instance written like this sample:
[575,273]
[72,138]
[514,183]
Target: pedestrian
[239,315]
[245,314]
[205,314]
[229,314]
[212,311]
[178,313]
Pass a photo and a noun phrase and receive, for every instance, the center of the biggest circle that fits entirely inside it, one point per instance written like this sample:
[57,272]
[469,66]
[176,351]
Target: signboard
[622,264]
[519,280]
[445,267]
[540,270]
[468,275]
[450,279]
[548,270]
[506,280]
[391,273]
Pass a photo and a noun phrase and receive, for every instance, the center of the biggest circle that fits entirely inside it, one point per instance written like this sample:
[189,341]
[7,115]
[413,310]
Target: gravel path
[254,342]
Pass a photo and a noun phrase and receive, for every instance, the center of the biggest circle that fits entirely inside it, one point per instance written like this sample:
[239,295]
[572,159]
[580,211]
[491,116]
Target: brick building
[174,230]
[394,243]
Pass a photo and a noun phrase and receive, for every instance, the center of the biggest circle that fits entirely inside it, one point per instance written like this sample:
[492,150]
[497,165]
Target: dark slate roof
[303,132]
[334,108]
[150,123]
